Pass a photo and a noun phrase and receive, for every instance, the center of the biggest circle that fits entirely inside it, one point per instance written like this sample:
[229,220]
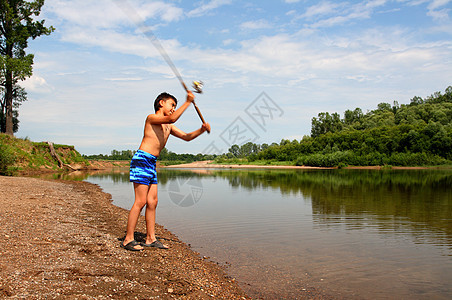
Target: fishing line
[146,30]
[148,33]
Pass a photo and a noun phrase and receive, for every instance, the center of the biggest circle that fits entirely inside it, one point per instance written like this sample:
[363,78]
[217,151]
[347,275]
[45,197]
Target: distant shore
[210,165]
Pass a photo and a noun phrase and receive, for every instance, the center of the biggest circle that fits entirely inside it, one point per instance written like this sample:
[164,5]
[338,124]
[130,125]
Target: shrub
[7,159]
[415,159]
[326,160]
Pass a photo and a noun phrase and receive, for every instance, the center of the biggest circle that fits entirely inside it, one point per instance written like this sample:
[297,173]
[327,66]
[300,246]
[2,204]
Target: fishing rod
[139,23]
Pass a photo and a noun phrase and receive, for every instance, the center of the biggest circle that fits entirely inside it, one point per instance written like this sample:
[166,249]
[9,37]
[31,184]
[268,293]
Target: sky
[268,67]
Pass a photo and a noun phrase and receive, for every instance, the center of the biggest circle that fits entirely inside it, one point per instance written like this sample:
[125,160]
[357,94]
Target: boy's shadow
[140,237]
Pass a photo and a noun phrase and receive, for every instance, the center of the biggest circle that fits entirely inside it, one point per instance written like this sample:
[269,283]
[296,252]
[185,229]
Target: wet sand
[61,240]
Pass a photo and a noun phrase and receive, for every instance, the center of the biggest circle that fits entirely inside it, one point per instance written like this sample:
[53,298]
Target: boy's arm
[189,136]
[159,119]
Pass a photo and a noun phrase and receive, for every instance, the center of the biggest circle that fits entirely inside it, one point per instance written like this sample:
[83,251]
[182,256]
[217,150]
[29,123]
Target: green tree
[416,101]
[326,123]
[234,150]
[17,25]
[19,96]
[353,118]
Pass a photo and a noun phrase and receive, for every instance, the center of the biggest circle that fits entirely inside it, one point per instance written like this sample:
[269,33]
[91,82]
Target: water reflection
[356,199]
[421,199]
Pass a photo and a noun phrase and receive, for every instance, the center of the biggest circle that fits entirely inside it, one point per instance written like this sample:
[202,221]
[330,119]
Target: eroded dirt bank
[60,240]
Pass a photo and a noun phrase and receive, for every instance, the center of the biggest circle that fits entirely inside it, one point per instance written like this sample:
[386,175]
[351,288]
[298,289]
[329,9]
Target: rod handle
[200,115]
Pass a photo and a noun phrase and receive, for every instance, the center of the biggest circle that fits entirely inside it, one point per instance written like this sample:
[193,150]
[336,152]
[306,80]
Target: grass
[28,155]
[271,163]
[244,161]
[172,162]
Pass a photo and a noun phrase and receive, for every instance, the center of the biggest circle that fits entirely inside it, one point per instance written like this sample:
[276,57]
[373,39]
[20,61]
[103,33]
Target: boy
[143,174]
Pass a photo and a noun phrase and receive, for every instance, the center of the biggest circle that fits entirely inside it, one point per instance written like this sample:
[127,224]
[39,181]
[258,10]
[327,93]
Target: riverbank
[208,164]
[61,240]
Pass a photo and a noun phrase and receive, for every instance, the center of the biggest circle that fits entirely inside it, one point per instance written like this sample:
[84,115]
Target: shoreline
[207,164]
[210,165]
[61,239]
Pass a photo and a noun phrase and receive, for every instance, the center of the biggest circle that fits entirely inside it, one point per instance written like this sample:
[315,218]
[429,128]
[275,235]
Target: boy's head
[164,97]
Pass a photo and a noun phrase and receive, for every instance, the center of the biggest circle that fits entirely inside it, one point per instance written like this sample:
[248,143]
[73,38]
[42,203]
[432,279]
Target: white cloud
[438,3]
[110,14]
[228,42]
[207,7]
[415,2]
[439,15]
[323,8]
[254,25]
[36,84]
[328,14]
[125,79]
[84,12]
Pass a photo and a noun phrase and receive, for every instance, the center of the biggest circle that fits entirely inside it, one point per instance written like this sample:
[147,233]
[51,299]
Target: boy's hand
[190,97]
[206,127]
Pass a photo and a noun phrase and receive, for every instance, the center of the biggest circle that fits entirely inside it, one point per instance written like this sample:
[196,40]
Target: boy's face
[168,106]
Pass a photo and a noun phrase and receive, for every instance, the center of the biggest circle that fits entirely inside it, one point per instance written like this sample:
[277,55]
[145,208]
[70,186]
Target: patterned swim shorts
[142,168]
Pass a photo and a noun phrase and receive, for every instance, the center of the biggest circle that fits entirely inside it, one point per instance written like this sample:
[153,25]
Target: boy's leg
[151,206]
[141,191]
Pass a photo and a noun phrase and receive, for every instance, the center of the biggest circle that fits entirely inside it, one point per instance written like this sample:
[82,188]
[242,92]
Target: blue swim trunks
[142,168]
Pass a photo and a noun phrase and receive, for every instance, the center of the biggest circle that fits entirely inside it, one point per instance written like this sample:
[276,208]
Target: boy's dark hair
[162,96]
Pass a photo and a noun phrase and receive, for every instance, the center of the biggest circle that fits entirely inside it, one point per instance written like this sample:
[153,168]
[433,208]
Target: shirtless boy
[143,173]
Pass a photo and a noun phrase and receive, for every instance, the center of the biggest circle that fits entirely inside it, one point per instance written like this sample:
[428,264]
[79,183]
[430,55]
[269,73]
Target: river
[354,234]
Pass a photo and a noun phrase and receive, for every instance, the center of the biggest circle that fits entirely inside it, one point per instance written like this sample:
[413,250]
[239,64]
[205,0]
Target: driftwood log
[57,157]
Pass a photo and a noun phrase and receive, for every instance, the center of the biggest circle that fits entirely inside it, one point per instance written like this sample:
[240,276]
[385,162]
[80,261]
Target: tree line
[419,133]
[114,155]
[165,155]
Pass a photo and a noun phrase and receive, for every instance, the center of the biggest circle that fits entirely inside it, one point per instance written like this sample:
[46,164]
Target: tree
[353,117]
[248,149]
[234,150]
[19,96]
[325,123]
[416,100]
[17,25]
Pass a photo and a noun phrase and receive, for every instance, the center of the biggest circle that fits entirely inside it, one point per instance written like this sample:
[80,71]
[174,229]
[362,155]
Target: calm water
[355,234]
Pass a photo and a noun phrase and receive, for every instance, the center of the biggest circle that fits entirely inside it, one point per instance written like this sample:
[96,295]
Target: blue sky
[268,66]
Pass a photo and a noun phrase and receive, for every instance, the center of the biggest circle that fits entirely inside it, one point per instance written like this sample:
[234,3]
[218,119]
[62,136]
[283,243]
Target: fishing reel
[197,85]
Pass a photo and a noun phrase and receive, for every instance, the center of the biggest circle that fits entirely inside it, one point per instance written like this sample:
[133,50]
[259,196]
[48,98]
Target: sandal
[155,244]
[131,246]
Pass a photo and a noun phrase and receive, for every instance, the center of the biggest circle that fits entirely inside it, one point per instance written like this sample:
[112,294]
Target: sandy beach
[60,239]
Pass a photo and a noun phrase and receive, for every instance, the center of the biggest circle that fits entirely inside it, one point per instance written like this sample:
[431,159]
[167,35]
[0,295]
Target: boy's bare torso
[155,137]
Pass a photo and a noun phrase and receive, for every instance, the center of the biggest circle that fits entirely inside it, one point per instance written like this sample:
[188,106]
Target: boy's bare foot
[132,246]
[155,244]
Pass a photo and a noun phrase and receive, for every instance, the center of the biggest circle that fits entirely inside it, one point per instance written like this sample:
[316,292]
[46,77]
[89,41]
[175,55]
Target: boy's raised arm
[189,136]
[168,119]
